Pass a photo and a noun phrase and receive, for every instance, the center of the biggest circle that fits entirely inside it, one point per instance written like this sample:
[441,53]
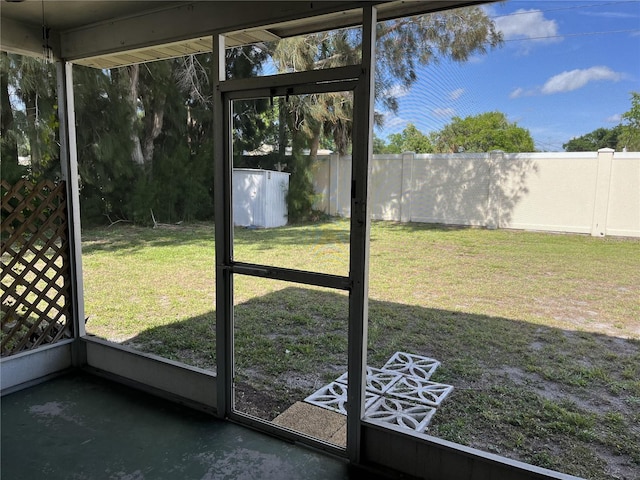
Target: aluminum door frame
[359,79]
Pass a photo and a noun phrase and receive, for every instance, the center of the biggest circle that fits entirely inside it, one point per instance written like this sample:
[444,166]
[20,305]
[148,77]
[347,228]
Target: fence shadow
[455,189]
[125,238]
[128,238]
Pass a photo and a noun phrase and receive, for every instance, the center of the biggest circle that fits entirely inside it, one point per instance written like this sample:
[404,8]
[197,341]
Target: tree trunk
[282,129]
[153,126]
[134,77]
[9,152]
[31,107]
[314,144]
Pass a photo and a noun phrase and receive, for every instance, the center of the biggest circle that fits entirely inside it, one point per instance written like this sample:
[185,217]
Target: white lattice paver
[412,365]
[420,391]
[378,380]
[334,397]
[400,393]
[400,412]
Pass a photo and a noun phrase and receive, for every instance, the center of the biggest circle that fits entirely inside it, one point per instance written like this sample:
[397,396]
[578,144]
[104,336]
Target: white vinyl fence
[597,193]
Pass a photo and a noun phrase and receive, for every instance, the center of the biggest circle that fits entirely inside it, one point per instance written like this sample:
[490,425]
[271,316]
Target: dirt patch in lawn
[259,403]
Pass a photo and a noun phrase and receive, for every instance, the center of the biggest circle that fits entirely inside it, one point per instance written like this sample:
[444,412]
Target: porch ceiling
[107,34]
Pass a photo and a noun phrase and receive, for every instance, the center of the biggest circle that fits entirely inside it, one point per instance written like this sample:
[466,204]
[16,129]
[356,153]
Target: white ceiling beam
[17,37]
[184,22]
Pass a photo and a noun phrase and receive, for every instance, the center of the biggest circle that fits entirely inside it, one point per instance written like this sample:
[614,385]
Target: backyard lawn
[538,333]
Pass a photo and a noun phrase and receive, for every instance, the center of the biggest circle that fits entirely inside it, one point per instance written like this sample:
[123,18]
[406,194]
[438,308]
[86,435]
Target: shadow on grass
[130,238]
[560,399]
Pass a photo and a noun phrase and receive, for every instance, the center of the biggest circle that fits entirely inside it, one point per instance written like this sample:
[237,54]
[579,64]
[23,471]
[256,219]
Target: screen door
[290,261]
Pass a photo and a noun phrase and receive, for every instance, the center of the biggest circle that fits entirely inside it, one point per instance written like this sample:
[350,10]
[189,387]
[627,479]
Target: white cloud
[397,91]
[568,81]
[444,112]
[456,94]
[609,14]
[614,118]
[578,78]
[392,122]
[527,24]
[518,92]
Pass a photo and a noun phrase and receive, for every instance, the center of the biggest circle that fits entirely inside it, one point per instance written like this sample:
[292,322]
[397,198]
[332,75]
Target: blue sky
[562,72]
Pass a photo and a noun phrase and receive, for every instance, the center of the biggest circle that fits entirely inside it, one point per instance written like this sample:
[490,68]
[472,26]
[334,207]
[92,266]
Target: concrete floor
[82,427]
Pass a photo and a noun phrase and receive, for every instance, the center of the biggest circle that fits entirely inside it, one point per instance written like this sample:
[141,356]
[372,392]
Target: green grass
[538,333]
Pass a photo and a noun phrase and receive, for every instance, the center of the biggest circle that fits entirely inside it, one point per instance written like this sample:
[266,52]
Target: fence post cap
[606,150]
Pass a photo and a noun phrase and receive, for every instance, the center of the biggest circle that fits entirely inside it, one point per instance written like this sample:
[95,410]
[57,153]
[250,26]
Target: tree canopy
[591,142]
[401,46]
[409,140]
[482,133]
[624,136]
[33,129]
[630,135]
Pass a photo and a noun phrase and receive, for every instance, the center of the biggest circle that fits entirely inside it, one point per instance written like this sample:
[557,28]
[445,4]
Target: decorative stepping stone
[334,397]
[402,413]
[419,391]
[399,394]
[378,381]
[412,365]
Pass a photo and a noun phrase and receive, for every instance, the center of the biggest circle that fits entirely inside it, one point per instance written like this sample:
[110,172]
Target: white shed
[260,197]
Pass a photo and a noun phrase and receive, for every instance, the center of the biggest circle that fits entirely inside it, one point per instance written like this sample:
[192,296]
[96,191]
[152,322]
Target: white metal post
[223,225]
[359,243]
[69,168]
[603,192]
[406,186]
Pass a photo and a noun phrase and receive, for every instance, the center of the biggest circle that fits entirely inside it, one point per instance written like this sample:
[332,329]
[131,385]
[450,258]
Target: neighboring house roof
[265,149]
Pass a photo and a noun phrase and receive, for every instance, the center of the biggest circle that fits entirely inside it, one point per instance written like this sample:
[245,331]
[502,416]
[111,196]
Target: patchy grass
[538,333]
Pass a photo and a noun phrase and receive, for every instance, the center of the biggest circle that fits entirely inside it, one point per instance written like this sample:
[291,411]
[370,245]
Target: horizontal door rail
[317,78]
[306,89]
[290,275]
